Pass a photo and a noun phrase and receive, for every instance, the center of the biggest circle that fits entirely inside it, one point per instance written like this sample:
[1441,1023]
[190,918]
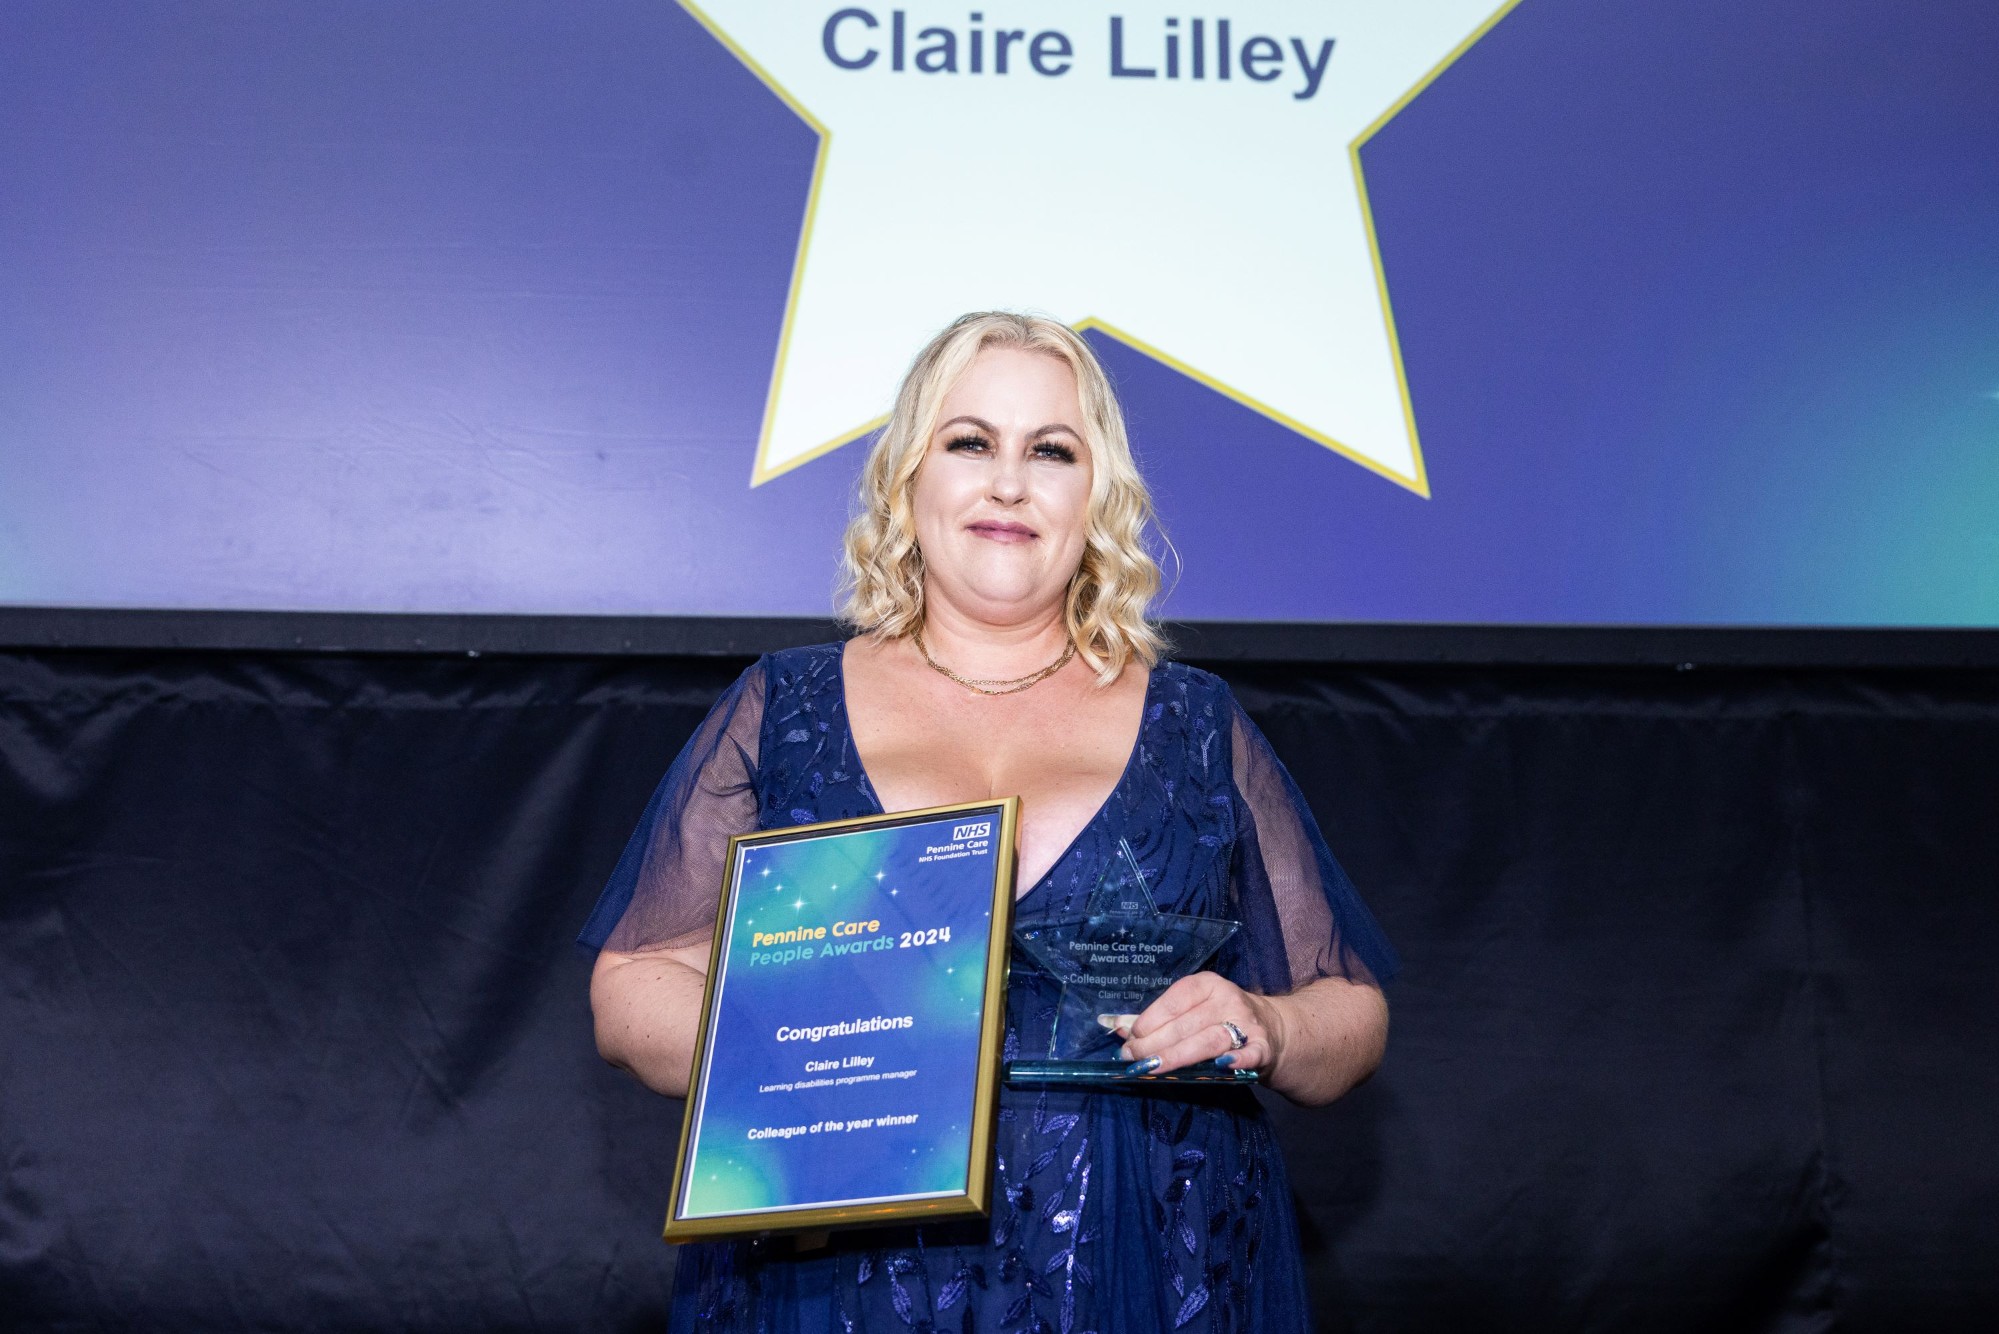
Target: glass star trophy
[1111,962]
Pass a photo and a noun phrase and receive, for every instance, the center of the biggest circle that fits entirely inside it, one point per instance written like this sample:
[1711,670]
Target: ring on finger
[1237,1038]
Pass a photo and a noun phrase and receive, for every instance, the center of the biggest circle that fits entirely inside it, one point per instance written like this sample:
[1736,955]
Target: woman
[999,582]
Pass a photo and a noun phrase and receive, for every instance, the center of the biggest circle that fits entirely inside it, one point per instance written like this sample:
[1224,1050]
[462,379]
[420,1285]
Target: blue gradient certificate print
[848,1016]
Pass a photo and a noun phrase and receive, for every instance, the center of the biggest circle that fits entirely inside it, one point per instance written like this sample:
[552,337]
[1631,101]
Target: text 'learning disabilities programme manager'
[998,581]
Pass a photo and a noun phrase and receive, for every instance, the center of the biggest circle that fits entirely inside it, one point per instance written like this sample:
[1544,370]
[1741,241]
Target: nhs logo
[965,831]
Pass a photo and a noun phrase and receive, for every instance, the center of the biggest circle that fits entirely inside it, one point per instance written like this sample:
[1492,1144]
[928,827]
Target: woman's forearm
[1326,1037]
[647,1008]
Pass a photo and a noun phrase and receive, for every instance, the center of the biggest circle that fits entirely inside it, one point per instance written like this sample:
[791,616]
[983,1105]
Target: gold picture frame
[751,1147]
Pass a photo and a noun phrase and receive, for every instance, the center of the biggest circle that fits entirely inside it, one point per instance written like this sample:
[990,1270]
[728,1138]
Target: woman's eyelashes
[1053,450]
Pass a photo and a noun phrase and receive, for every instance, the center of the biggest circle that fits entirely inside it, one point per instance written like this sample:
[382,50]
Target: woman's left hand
[1195,1022]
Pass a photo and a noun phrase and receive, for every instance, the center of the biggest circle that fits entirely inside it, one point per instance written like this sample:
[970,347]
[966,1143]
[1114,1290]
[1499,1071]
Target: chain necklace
[1013,687]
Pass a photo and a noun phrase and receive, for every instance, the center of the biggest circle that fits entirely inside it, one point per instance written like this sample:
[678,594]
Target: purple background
[470,306]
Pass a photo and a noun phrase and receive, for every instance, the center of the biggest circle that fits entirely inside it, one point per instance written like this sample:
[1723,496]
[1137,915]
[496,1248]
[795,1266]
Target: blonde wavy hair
[882,565]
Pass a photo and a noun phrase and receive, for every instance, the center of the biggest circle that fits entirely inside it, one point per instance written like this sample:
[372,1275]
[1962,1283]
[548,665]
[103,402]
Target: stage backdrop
[1664,311]
[1699,1028]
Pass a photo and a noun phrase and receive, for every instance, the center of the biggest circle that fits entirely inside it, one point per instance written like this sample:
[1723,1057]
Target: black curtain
[1699,1028]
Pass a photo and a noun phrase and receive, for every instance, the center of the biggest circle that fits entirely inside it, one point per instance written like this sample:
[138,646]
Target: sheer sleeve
[669,880]
[1302,917]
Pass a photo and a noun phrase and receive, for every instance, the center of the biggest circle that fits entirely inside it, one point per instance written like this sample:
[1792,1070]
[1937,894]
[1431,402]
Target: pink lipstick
[999,530]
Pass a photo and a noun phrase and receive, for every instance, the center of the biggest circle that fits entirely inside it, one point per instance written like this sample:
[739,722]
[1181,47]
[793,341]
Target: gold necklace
[985,687]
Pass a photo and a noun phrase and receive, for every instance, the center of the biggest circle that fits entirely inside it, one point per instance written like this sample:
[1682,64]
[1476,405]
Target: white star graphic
[1219,224]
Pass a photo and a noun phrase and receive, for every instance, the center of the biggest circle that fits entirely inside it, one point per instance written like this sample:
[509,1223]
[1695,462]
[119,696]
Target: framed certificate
[847,1067]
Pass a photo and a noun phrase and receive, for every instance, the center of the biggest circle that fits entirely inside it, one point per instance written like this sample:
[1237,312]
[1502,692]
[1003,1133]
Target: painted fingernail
[1225,1059]
[1144,1067]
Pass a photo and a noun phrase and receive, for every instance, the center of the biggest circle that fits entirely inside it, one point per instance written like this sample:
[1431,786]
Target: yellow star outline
[761,472]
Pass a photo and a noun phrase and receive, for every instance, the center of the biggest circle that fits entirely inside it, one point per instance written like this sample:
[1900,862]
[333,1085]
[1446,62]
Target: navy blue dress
[1114,1212]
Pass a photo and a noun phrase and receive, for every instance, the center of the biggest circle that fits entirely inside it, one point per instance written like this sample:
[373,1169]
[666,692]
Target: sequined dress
[1114,1212]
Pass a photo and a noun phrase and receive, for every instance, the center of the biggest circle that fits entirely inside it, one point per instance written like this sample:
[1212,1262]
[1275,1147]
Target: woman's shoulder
[1193,705]
[1180,679]
[808,669]
[805,657]
[806,653]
